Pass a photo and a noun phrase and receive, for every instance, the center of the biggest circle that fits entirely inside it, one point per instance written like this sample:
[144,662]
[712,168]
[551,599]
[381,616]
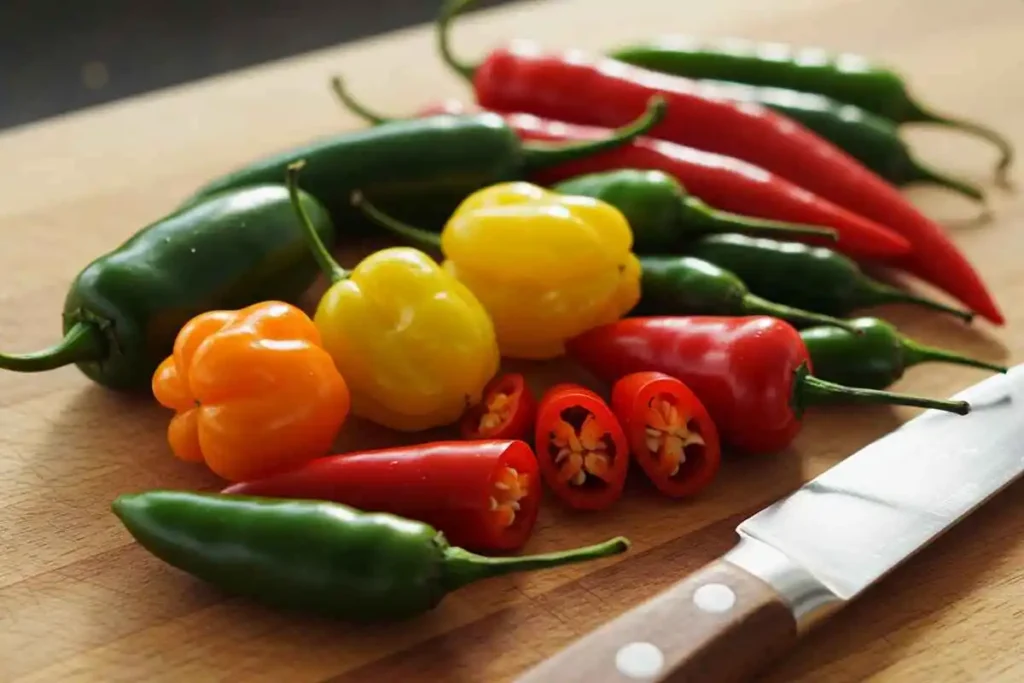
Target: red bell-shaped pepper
[484,495]
[752,373]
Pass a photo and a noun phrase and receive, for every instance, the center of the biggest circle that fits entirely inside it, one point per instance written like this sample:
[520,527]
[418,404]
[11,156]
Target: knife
[804,557]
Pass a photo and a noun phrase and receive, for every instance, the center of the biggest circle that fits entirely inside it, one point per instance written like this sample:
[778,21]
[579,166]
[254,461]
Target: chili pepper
[870,139]
[123,310]
[413,343]
[664,217]
[683,285]
[876,358]
[600,91]
[669,431]
[846,77]
[753,373]
[545,266]
[253,391]
[723,182]
[316,556]
[811,278]
[506,412]
[420,169]
[483,495]
[581,448]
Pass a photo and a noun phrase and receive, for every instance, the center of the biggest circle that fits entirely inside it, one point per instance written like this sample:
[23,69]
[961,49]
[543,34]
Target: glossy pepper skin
[317,557]
[507,410]
[418,169]
[123,310]
[848,78]
[253,391]
[723,182]
[812,278]
[592,90]
[684,285]
[753,374]
[664,216]
[545,266]
[414,344]
[876,358]
[483,495]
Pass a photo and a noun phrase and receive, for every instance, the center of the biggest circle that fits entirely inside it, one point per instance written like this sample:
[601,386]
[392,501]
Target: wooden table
[79,601]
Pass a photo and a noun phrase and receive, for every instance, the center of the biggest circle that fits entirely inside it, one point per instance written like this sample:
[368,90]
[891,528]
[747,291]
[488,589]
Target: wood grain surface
[80,602]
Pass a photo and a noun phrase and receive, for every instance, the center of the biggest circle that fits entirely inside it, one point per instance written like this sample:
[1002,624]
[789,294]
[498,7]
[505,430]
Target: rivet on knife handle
[718,626]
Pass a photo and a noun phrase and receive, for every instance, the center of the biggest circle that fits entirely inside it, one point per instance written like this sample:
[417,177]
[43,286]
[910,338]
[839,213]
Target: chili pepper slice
[480,494]
[669,430]
[507,411]
[581,448]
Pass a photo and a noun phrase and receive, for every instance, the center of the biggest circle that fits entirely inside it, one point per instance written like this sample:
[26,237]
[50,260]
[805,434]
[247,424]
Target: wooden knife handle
[719,625]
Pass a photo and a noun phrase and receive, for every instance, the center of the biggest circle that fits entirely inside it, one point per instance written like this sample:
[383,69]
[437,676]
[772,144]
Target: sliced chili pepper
[581,448]
[507,411]
[669,430]
[481,494]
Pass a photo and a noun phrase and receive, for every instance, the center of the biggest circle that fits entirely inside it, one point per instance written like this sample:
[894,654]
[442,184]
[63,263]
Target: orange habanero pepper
[253,391]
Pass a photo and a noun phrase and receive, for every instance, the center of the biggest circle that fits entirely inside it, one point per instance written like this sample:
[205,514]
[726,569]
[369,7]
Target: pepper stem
[915,353]
[918,114]
[462,567]
[714,221]
[538,155]
[920,173]
[83,342]
[755,305]
[330,267]
[355,106]
[811,390]
[418,237]
[449,11]
[872,292]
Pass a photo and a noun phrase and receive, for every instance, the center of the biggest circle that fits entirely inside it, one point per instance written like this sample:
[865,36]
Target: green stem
[920,173]
[462,567]
[755,305]
[83,342]
[449,11]
[713,221]
[330,267]
[811,390]
[355,106]
[424,239]
[919,115]
[537,155]
[872,292]
[915,353]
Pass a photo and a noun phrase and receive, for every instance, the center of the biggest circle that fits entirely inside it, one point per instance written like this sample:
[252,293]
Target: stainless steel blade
[854,523]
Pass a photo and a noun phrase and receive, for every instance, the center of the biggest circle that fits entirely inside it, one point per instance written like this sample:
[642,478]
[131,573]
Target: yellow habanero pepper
[414,344]
[546,266]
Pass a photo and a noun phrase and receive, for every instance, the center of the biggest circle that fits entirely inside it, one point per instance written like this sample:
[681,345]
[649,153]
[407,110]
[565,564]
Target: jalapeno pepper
[582,450]
[316,556]
[877,357]
[253,391]
[482,495]
[506,412]
[669,431]
[124,309]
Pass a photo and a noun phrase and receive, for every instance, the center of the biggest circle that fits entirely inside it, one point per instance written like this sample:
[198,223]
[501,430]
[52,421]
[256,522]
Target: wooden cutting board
[80,602]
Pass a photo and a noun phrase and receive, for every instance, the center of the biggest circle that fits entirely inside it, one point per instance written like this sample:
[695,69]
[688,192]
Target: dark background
[61,55]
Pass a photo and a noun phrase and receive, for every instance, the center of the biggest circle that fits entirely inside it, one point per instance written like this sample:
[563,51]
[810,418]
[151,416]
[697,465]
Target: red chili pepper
[507,411]
[581,448]
[669,431]
[752,373]
[484,495]
[579,88]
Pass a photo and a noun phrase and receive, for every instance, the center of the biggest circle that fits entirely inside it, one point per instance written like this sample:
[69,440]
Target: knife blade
[803,558]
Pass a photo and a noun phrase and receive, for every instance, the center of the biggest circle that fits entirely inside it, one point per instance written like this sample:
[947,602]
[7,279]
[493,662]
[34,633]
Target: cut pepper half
[507,411]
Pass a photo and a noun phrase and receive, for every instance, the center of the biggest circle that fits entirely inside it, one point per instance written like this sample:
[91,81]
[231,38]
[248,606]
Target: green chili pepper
[420,169]
[871,139]
[664,216]
[813,278]
[683,285]
[848,78]
[317,557]
[876,358]
[124,309]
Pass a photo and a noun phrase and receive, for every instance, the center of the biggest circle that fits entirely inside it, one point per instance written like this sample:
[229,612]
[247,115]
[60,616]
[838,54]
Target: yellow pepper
[546,266]
[414,344]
